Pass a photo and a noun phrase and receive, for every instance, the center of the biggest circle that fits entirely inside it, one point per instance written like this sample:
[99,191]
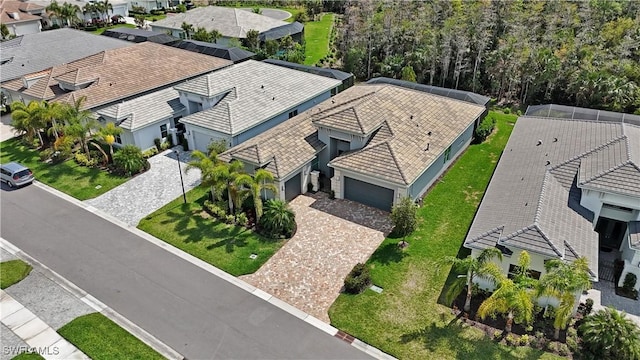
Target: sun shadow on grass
[388,253]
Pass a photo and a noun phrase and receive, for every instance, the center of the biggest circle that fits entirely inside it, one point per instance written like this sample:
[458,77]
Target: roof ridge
[357,98]
[486,233]
[536,217]
[597,148]
[395,159]
[355,113]
[536,226]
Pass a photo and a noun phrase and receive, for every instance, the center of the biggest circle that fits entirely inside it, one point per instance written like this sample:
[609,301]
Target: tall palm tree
[51,113]
[210,171]
[69,12]
[512,297]
[105,6]
[188,29]
[28,119]
[475,267]
[609,334]
[261,180]
[108,134]
[79,123]
[90,8]
[564,280]
[230,173]
[54,11]
[215,35]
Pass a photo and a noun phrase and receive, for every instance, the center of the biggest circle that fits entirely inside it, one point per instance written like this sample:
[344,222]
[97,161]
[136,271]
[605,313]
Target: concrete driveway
[6,130]
[333,235]
[146,193]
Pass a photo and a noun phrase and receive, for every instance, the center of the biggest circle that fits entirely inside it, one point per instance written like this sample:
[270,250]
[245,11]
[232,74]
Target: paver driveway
[332,236]
[148,192]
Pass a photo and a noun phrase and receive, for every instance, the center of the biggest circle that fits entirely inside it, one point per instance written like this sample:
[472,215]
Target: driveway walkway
[332,236]
[148,192]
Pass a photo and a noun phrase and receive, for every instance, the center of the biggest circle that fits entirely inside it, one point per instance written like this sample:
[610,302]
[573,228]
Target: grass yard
[13,271]
[224,246]
[28,356]
[100,338]
[101,30]
[406,320]
[316,36]
[68,177]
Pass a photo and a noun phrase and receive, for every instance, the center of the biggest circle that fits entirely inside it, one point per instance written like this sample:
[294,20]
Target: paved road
[198,314]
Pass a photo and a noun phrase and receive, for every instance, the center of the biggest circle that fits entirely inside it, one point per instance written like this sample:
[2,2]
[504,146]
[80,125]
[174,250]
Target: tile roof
[17,11]
[634,234]
[120,74]
[255,92]
[234,54]
[230,22]
[62,45]
[534,194]
[419,128]
[139,35]
[144,110]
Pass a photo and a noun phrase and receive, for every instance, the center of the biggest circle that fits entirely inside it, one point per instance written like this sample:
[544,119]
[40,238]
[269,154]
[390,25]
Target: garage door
[368,194]
[201,141]
[292,187]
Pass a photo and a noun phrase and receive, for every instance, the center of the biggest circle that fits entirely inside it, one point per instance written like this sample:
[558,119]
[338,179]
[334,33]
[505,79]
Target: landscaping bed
[13,271]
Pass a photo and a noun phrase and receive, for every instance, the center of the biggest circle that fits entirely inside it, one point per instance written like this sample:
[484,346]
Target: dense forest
[584,53]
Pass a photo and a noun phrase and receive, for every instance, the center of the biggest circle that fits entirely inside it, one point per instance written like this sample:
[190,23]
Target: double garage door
[368,194]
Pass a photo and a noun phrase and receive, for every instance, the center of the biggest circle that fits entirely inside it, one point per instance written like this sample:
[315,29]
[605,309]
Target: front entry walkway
[148,192]
[332,236]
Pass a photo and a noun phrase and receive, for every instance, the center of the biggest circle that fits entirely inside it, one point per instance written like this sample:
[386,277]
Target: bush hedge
[358,279]
[484,129]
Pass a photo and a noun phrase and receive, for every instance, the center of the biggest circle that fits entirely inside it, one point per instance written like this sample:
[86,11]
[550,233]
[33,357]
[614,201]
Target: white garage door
[201,141]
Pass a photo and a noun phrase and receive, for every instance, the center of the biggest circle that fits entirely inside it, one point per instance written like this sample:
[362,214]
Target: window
[514,269]
[293,113]
[163,131]
[118,139]
[447,154]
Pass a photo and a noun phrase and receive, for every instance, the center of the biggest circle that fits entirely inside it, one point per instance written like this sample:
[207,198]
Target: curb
[309,319]
[94,303]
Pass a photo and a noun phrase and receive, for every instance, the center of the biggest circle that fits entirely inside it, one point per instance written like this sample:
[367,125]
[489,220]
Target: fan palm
[609,334]
[475,267]
[563,280]
[278,218]
[261,180]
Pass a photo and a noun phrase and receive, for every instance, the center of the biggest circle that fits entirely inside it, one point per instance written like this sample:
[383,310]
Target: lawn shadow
[463,252]
[388,253]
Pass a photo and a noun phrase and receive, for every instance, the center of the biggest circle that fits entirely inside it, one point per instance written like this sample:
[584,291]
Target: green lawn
[223,246]
[100,338]
[13,271]
[406,320]
[316,36]
[68,177]
[27,356]
[101,30]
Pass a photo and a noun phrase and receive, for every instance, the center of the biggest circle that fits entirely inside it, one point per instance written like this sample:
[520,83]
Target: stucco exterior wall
[593,200]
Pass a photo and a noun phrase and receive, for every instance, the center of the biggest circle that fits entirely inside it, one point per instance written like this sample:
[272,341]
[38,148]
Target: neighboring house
[24,54]
[567,186]
[113,76]
[20,17]
[139,35]
[347,79]
[120,7]
[376,143]
[149,5]
[231,23]
[235,54]
[246,99]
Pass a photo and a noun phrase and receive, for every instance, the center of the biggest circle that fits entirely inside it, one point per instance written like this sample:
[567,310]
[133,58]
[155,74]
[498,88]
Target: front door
[611,233]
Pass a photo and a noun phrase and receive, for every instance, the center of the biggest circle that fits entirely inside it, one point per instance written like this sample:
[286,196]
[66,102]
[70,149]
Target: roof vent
[555,139]
[522,178]
[333,101]
[427,148]
[525,204]
[261,86]
[548,162]
[273,98]
[429,133]
[411,117]
[539,143]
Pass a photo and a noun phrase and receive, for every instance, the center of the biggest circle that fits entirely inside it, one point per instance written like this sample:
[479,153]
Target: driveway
[147,192]
[6,130]
[333,235]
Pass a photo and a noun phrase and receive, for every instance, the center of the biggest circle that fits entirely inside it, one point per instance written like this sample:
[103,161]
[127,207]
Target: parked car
[15,174]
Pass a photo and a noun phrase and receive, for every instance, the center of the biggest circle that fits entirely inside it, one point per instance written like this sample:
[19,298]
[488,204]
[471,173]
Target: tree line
[583,53]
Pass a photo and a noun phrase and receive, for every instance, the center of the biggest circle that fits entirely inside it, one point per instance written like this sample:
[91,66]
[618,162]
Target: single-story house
[567,186]
[376,144]
[24,54]
[115,76]
[149,5]
[347,79]
[246,99]
[21,18]
[231,23]
[139,35]
[120,7]
[235,54]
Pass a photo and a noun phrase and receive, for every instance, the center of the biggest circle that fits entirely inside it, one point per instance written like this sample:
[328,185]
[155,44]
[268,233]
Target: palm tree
[230,173]
[475,267]
[278,218]
[90,8]
[105,6]
[215,35]
[52,111]
[563,280]
[28,119]
[69,12]
[261,180]
[79,123]
[188,29]
[4,31]
[609,334]
[513,297]
[108,134]
[55,10]
[210,171]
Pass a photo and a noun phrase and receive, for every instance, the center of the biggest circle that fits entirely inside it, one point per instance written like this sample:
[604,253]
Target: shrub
[46,154]
[506,110]
[358,279]
[242,220]
[301,17]
[82,160]
[588,307]
[572,344]
[181,8]
[484,129]
[149,153]
[511,339]
[563,349]
[497,335]
[158,143]
[332,195]
[218,146]
[629,282]
[129,160]
[404,216]
[230,219]
[165,145]
[553,346]
[278,219]
[524,340]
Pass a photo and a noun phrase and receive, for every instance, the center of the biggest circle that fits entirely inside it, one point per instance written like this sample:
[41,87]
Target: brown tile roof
[8,8]
[121,73]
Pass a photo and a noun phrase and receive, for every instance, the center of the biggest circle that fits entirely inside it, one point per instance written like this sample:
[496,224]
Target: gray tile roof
[419,128]
[256,92]
[534,192]
[62,46]
[436,90]
[634,234]
[230,22]
[144,110]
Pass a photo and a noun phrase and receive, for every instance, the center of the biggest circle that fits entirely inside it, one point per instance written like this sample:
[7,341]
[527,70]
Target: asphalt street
[193,311]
